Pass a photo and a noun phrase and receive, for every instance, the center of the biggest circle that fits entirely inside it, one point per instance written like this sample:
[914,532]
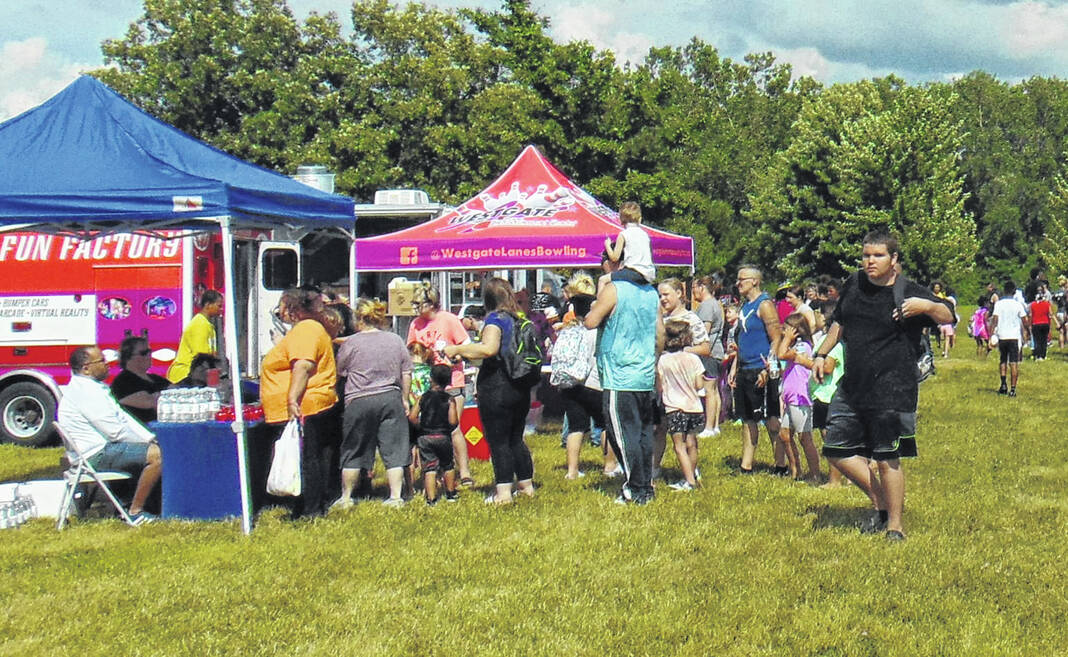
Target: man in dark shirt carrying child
[435,417]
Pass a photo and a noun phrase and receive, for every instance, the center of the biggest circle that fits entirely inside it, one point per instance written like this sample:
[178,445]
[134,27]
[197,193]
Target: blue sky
[44,44]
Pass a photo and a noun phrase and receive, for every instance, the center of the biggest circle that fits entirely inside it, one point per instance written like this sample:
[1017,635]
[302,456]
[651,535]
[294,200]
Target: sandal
[467,482]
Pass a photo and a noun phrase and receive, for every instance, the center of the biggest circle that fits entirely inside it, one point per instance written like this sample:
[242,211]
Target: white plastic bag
[284,478]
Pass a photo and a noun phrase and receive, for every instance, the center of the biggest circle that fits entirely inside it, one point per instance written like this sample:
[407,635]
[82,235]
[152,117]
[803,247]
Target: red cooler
[471,426]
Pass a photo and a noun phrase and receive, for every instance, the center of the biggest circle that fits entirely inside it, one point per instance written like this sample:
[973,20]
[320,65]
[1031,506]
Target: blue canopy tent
[88,160]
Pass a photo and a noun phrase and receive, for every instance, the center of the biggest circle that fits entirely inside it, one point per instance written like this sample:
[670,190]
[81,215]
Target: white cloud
[1035,28]
[805,62]
[30,73]
[597,25]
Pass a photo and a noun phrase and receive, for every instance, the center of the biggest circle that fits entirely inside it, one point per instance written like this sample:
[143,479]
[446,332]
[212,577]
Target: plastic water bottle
[214,403]
[189,406]
[164,406]
[168,406]
[25,509]
[204,412]
[180,404]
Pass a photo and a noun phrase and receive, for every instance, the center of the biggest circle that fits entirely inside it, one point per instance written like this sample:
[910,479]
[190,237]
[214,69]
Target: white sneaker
[682,485]
[342,503]
[709,433]
[618,472]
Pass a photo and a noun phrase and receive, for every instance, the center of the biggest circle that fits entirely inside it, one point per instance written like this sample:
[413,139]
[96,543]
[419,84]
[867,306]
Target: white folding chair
[80,473]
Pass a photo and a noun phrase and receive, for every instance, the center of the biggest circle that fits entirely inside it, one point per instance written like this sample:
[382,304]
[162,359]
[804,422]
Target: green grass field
[745,566]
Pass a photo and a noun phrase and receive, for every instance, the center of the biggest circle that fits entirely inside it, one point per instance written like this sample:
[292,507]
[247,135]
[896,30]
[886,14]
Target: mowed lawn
[745,566]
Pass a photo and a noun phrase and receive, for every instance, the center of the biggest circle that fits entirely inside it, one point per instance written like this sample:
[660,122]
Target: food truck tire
[27,411]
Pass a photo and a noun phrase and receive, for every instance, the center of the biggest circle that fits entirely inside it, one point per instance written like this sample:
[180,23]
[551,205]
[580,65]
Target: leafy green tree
[244,75]
[1013,151]
[866,155]
[1053,248]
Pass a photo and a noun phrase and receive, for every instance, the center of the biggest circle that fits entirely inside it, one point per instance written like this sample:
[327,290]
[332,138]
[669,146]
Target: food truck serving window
[279,269]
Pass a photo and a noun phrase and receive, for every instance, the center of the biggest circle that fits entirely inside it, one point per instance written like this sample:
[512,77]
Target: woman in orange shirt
[297,380]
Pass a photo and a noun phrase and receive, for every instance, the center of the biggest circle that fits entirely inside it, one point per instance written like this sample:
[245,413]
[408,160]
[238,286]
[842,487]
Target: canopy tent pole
[230,336]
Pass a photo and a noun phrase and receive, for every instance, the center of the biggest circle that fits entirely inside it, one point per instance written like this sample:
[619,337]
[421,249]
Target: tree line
[756,164]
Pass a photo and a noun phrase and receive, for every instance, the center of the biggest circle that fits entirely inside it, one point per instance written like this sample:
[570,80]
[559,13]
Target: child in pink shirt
[796,348]
[681,376]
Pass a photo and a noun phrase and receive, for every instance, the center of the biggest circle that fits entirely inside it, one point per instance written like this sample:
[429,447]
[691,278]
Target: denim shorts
[121,457]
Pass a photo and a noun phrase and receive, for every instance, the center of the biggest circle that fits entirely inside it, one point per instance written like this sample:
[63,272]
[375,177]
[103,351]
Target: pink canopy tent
[531,216]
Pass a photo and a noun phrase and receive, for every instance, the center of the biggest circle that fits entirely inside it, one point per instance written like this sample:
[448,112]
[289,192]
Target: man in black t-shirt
[1038,278]
[880,382]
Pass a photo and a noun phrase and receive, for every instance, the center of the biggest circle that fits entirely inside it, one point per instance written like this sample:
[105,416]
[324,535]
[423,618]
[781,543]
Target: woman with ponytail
[377,370]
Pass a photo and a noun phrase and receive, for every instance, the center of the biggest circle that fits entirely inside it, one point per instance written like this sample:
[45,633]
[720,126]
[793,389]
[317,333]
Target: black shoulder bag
[925,364]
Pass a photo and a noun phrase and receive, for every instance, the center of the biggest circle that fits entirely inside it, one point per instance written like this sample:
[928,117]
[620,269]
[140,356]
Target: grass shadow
[732,465]
[837,517]
[608,486]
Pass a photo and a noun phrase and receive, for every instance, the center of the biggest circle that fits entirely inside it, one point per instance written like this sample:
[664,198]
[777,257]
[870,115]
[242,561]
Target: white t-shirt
[1010,314]
[638,251]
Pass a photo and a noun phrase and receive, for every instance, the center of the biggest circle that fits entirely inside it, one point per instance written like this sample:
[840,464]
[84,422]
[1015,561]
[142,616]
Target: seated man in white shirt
[104,433]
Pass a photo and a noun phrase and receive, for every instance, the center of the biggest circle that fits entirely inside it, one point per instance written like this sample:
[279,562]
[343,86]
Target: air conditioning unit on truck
[59,292]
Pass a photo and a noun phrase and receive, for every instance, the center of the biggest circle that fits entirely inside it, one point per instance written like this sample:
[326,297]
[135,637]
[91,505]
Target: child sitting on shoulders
[632,248]
[435,417]
[682,378]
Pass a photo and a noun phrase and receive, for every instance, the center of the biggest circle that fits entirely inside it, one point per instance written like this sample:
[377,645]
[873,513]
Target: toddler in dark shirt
[435,417]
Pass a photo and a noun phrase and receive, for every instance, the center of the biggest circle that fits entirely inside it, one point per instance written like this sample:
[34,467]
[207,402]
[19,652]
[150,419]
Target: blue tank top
[626,343]
[753,341]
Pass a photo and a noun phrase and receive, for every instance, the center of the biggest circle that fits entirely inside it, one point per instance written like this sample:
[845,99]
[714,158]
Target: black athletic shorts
[754,404]
[581,404]
[907,447]
[435,452]
[819,414]
[868,432]
[1009,350]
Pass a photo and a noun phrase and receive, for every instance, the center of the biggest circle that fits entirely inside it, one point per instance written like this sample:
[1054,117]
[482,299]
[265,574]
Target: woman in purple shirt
[377,371]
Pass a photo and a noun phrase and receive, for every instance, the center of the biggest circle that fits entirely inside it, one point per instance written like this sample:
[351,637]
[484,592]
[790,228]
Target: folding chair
[80,473]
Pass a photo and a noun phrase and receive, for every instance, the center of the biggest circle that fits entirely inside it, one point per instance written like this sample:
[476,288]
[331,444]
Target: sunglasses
[144,352]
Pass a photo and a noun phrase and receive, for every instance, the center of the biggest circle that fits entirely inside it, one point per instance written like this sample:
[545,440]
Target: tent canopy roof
[89,159]
[531,216]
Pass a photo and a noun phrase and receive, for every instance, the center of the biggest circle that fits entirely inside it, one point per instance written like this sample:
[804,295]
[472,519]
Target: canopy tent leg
[230,336]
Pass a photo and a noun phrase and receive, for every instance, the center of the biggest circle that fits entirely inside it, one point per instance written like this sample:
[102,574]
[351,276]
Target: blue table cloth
[200,471]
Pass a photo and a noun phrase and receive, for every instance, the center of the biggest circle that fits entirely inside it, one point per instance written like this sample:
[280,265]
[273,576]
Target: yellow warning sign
[473,435]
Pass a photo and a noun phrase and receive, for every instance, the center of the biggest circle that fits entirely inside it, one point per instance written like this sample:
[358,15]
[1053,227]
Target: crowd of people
[1018,320]
[633,357]
[108,424]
